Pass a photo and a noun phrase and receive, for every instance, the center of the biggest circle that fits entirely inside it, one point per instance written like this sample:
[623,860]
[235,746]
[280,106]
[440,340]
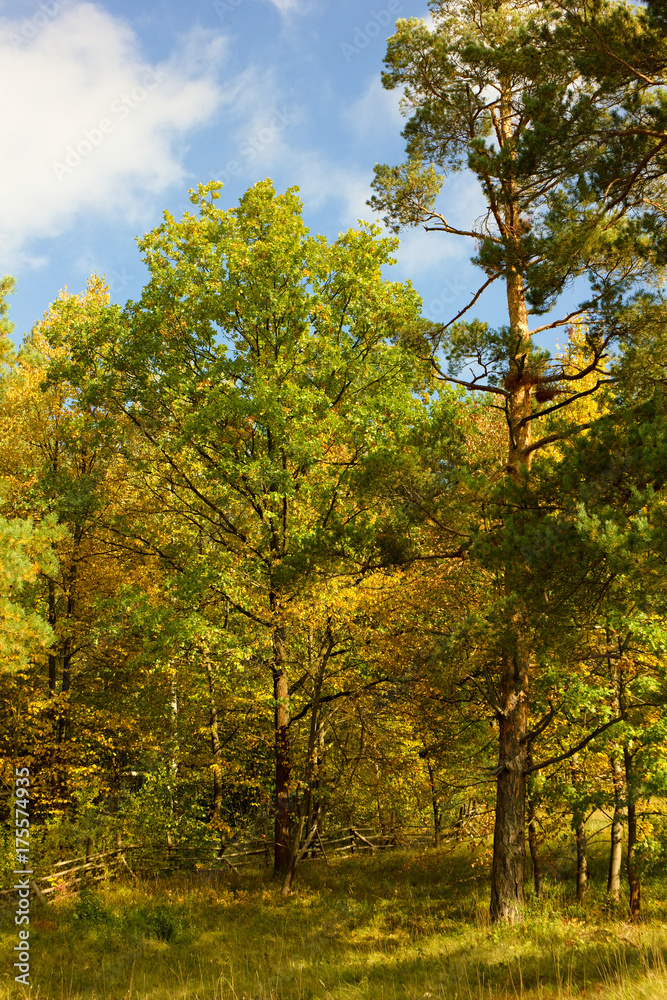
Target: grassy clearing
[397,926]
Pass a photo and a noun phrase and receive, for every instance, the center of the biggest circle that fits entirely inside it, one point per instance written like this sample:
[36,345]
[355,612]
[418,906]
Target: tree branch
[470,304]
[573,750]
[551,438]
[335,697]
[471,385]
[539,728]
[570,399]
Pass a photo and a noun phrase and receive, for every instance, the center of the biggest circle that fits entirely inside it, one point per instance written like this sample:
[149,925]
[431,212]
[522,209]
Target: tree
[61,464]
[25,547]
[498,88]
[258,368]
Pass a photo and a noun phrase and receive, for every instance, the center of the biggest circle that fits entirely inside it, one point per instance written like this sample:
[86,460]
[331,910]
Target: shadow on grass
[399,925]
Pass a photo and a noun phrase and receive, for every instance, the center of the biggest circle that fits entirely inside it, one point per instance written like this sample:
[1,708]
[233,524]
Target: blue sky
[115,109]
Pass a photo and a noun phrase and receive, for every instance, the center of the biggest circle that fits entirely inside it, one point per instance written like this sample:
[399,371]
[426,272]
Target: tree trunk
[532,843]
[216,747]
[53,619]
[579,827]
[509,849]
[282,852]
[318,785]
[437,815]
[616,852]
[297,853]
[633,874]
[381,817]
[582,857]
[173,743]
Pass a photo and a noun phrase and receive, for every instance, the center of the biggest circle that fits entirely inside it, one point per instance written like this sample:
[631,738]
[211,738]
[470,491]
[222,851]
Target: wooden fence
[135,860]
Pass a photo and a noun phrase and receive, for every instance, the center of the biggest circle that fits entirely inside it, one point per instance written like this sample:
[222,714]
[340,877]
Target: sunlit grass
[399,925]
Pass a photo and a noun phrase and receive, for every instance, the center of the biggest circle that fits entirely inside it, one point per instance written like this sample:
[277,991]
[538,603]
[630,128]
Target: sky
[114,110]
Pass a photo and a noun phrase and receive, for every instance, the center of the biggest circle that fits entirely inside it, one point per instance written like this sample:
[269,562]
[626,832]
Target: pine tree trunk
[633,874]
[282,850]
[509,849]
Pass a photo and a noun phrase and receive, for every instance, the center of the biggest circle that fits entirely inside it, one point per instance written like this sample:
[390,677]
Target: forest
[283,557]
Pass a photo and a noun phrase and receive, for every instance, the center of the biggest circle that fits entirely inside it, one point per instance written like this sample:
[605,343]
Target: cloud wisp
[92,127]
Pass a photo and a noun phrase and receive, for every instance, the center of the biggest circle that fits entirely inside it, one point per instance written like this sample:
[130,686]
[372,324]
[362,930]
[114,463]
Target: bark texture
[631,857]
[616,846]
[582,858]
[509,850]
[282,849]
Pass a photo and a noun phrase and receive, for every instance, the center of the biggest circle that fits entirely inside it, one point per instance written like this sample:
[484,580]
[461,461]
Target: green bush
[89,909]
[160,922]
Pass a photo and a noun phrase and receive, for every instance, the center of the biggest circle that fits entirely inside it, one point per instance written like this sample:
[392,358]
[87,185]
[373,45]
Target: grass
[399,925]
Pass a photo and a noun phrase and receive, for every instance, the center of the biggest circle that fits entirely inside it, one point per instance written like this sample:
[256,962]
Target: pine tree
[501,89]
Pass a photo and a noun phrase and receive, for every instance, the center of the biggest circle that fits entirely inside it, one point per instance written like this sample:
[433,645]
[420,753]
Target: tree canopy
[280,554]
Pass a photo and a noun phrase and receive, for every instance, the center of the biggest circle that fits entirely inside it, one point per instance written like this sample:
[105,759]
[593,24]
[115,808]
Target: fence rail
[134,859]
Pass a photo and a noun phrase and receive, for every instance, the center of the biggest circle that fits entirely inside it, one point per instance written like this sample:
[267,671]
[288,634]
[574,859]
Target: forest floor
[399,925]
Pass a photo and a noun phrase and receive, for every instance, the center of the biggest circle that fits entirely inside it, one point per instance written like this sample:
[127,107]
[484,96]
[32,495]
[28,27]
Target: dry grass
[397,926]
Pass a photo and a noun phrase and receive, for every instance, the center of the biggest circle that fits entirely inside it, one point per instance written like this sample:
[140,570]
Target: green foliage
[250,335]
[90,908]
[157,921]
[25,551]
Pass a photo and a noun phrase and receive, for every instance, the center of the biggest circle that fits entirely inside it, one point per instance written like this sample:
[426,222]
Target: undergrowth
[399,925]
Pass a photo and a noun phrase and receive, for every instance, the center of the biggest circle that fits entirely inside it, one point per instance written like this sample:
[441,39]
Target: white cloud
[91,127]
[322,182]
[376,112]
[285,6]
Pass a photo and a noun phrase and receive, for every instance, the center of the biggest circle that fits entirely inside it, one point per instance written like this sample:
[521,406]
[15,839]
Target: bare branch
[571,752]
[471,385]
[446,228]
[539,728]
[552,438]
[570,399]
[559,322]
[470,304]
